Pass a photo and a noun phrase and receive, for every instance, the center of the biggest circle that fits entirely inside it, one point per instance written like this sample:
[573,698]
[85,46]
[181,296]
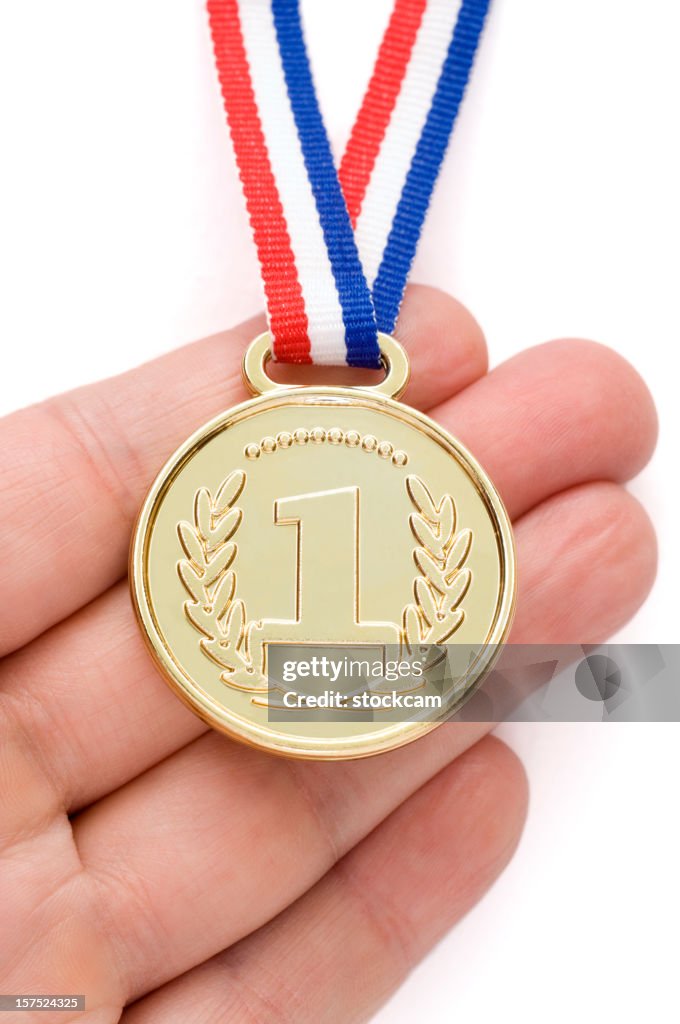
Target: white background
[124,235]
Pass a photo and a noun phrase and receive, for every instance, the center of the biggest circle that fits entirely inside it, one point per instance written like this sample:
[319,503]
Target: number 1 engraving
[327,572]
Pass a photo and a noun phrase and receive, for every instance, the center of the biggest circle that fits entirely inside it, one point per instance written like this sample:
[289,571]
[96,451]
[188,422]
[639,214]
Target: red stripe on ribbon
[376,110]
[288,318]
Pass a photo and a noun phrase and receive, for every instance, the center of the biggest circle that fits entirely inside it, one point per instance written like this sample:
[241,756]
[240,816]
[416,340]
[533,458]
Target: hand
[149,863]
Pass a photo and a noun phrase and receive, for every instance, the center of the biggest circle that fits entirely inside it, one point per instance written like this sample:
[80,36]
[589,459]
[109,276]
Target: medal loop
[393,359]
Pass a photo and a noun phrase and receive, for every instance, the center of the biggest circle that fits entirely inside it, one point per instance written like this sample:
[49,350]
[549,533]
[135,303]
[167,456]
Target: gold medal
[321,516]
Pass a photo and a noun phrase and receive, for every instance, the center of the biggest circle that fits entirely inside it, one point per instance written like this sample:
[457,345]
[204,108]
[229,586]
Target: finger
[338,953]
[75,469]
[587,560]
[577,586]
[94,706]
[554,416]
[230,837]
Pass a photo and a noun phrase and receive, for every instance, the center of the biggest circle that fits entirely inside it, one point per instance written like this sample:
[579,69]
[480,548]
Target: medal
[324,515]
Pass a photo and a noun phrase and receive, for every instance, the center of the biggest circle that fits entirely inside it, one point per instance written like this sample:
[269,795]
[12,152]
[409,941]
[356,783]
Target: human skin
[175,876]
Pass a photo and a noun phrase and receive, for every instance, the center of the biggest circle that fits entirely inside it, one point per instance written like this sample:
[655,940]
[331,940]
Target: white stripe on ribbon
[326,327]
[410,112]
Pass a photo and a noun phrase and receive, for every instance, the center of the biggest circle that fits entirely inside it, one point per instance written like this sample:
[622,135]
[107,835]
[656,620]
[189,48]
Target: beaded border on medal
[286,439]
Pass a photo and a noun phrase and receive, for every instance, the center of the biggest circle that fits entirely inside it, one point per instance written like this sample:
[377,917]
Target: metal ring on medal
[316,516]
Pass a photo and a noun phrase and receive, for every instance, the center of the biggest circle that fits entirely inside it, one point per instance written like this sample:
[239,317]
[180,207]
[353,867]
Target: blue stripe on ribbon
[390,282]
[355,298]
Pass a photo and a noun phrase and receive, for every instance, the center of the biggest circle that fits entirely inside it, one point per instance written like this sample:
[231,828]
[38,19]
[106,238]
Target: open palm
[174,876]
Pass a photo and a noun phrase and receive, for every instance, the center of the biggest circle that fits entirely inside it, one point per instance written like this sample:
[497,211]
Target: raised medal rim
[235,726]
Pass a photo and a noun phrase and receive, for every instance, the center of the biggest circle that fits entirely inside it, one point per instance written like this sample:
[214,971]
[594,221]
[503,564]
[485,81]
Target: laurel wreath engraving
[440,556]
[229,639]
[236,644]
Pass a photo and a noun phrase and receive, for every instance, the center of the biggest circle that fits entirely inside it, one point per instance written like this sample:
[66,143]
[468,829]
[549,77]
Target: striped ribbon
[336,247]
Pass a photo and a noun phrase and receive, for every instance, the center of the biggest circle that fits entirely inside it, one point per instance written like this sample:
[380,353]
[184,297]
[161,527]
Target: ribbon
[336,247]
